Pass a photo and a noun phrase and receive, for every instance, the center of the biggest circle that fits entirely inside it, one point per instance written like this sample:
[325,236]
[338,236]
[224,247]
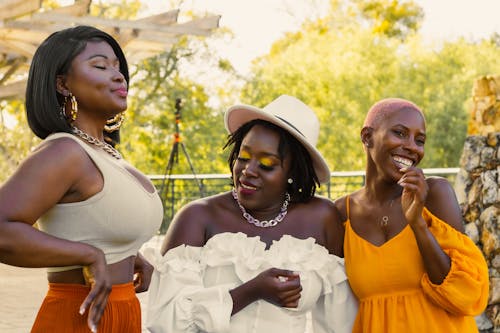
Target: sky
[258,23]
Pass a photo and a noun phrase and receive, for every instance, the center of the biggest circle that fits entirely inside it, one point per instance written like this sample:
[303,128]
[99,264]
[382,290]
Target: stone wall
[478,190]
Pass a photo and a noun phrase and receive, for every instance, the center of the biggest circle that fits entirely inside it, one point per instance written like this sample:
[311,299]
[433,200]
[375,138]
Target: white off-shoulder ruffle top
[189,291]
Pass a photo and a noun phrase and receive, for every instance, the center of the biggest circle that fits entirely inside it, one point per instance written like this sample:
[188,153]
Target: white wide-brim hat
[290,114]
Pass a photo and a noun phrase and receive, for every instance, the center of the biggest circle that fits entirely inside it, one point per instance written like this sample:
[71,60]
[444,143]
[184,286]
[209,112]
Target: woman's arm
[38,184]
[178,301]
[415,194]
[452,261]
[142,273]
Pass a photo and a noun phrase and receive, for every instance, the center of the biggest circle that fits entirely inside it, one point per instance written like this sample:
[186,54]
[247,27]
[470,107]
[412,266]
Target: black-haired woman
[93,209]
[266,255]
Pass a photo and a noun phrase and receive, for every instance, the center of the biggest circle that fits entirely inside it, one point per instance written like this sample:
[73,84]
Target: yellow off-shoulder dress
[395,293]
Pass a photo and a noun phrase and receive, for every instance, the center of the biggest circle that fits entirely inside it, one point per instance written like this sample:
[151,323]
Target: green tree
[391,18]
[15,137]
[148,134]
[340,70]
[150,121]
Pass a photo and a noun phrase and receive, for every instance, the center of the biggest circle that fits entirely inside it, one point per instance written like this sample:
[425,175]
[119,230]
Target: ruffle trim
[181,258]
[249,257]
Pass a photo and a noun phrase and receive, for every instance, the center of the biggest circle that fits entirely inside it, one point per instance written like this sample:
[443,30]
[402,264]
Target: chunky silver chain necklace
[263,224]
[96,142]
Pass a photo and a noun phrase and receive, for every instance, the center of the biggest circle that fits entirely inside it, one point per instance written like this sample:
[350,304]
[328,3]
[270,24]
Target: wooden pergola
[24,25]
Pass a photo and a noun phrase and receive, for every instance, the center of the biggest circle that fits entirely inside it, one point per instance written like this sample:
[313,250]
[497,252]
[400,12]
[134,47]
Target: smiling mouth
[403,162]
[248,187]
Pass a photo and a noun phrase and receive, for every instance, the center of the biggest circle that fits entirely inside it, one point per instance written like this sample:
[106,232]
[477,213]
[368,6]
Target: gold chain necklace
[96,142]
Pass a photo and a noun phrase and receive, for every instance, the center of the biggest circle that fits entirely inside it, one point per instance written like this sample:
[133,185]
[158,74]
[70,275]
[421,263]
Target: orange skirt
[59,310]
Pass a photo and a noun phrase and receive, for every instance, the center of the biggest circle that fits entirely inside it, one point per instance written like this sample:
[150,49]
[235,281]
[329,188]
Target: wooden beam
[33,27]
[125,37]
[205,23]
[25,49]
[14,8]
[23,27]
[201,27]
[13,67]
[12,90]
[79,8]
[158,37]
[35,36]
[167,18]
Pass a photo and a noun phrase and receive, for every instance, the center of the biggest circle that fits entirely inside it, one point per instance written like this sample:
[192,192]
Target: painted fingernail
[94,329]
[82,311]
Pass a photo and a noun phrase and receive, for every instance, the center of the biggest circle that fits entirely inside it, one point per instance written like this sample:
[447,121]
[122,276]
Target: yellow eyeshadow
[266,161]
[244,154]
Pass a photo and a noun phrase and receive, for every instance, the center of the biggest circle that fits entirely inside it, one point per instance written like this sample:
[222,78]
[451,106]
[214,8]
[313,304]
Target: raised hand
[415,191]
[96,276]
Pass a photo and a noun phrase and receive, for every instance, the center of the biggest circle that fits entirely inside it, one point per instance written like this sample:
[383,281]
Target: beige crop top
[117,220]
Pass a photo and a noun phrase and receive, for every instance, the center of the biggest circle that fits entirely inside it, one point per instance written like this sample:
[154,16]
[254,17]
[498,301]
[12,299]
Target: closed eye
[266,167]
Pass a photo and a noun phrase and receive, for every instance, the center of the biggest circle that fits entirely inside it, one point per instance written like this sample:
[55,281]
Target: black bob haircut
[305,180]
[52,58]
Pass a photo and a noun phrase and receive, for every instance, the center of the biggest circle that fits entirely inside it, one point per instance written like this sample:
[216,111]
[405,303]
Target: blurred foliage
[391,18]
[339,63]
[148,134]
[16,139]
[342,63]
[156,83]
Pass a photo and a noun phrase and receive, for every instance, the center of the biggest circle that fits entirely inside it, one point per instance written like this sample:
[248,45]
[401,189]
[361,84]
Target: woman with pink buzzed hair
[407,258]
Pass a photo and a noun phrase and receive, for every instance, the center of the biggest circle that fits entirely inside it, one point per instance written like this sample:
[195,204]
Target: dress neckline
[384,244]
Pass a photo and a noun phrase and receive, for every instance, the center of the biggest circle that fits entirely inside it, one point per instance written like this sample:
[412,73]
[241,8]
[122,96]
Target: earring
[63,108]
[114,123]
[74,106]
[290,181]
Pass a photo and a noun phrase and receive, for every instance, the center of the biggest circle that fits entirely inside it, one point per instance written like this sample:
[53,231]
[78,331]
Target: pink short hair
[384,107]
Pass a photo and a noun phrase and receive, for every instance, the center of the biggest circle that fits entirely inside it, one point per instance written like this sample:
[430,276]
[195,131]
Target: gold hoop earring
[74,106]
[114,123]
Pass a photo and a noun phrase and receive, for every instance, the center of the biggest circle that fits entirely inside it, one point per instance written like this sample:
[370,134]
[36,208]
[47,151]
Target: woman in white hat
[266,255]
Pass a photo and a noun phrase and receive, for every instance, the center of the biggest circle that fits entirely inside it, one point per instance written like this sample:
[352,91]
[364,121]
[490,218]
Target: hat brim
[234,119]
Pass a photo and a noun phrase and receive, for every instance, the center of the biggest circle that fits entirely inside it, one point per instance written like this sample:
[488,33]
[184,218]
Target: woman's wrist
[92,255]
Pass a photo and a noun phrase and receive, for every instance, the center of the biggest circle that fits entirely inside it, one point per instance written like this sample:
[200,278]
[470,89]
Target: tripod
[174,158]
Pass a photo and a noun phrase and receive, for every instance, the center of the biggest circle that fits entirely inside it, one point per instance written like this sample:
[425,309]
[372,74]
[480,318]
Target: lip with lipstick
[247,188]
[122,92]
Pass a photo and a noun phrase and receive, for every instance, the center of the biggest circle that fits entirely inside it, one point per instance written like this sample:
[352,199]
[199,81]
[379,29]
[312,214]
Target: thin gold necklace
[96,142]
[385,219]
